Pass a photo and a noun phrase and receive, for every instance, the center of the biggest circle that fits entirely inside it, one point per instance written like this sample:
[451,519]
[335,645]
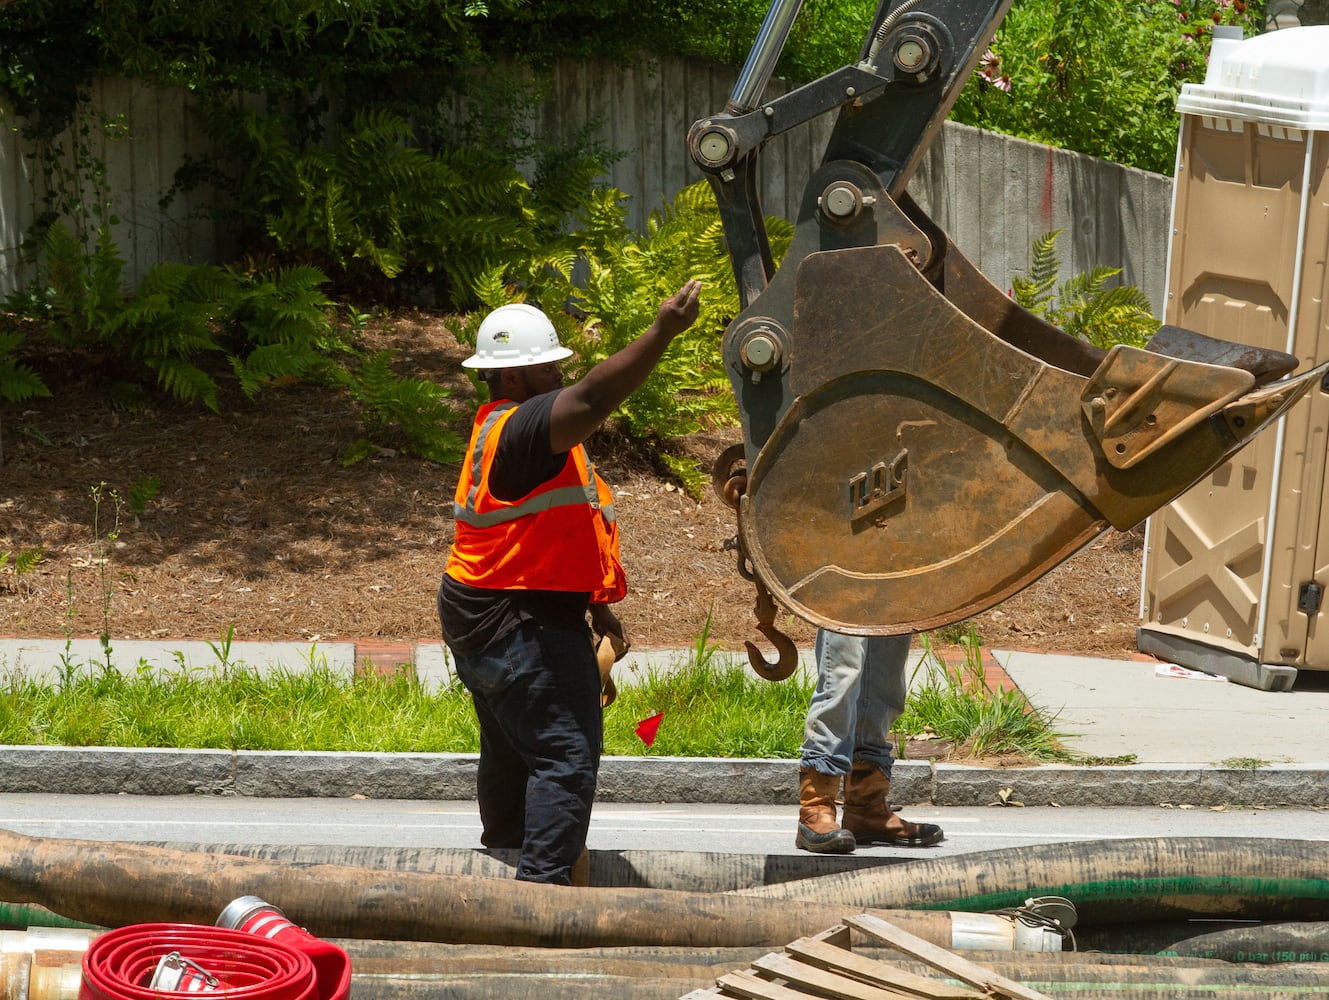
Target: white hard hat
[514,336]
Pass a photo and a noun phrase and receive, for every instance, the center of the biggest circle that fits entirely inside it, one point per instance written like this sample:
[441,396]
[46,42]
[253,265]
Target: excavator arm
[916,446]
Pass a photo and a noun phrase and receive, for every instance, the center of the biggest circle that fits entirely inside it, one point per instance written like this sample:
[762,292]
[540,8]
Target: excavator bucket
[918,447]
[944,448]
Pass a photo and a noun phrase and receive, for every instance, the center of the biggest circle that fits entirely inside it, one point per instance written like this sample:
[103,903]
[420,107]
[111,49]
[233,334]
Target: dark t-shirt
[474,617]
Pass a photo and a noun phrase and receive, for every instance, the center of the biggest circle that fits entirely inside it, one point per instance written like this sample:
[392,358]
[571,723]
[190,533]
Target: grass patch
[712,706]
[236,709]
[1244,763]
[955,702]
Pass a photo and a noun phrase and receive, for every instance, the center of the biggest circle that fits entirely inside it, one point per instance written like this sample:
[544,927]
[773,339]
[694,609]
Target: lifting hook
[785,649]
[730,480]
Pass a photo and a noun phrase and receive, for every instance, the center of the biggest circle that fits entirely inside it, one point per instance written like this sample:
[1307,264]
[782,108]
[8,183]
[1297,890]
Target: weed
[102,494]
[1244,763]
[956,634]
[141,493]
[1089,760]
[314,660]
[703,650]
[222,648]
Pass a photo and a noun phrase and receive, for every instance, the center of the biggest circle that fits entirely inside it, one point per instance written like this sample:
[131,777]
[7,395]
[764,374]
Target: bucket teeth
[1139,401]
[1248,415]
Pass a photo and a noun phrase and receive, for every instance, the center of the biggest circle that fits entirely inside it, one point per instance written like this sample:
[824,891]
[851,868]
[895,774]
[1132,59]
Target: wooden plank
[1144,245]
[837,936]
[652,156]
[939,958]
[990,239]
[964,177]
[14,186]
[745,984]
[1021,170]
[827,956]
[825,981]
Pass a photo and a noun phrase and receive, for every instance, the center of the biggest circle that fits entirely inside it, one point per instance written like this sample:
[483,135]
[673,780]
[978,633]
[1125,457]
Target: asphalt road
[739,829]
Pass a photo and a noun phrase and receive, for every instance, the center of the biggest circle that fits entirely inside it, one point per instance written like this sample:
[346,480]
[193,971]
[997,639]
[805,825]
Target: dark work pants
[537,696]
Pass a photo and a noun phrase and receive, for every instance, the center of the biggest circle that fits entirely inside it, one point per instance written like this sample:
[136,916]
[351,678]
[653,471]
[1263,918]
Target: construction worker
[860,692]
[535,551]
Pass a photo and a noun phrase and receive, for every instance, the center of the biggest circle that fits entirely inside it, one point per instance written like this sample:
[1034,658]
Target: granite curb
[292,774]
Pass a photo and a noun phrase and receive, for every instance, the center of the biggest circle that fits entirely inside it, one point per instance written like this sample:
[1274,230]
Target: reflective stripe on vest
[564,496]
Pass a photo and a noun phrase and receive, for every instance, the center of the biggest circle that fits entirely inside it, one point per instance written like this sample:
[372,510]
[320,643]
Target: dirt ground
[256,526]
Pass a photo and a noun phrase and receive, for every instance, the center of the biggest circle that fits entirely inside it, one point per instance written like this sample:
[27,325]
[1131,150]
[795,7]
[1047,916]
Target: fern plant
[24,560]
[169,326]
[378,212]
[18,381]
[1085,306]
[85,286]
[270,328]
[621,278]
[415,409]
[282,328]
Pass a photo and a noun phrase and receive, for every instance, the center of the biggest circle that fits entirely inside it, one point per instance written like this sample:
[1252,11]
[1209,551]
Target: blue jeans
[537,696]
[861,689]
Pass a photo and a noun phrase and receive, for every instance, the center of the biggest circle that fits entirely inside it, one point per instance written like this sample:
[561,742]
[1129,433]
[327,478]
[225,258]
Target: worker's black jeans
[537,696]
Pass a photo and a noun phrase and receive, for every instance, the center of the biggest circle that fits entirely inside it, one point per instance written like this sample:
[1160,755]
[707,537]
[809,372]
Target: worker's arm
[581,408]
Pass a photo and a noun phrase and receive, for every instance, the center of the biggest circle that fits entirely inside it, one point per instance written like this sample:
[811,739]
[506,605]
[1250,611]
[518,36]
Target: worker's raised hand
[679,311]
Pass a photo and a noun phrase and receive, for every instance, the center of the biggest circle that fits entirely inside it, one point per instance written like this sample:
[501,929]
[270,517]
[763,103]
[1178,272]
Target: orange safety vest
[560,536]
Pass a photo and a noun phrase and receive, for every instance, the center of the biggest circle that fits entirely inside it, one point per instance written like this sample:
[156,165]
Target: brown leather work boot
[870,818]
[817,830]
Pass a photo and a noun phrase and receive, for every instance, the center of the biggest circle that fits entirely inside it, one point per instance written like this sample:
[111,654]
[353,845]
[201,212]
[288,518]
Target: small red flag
[647,728]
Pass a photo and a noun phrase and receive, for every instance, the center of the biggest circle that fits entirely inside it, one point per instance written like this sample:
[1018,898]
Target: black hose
[1262,944]
[685,871]
[1109,881]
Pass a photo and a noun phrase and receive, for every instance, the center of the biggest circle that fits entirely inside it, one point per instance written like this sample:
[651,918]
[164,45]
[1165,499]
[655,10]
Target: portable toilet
[1235,569]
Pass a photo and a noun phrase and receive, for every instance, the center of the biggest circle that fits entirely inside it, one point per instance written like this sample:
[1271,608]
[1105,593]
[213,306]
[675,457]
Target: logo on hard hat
[502,337]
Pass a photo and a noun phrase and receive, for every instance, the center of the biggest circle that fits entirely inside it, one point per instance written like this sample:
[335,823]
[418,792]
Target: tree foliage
[1098,77]
[371,149]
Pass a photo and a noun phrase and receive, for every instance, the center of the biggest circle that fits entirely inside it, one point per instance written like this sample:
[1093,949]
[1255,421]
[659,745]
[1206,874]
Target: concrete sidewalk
[1189,738]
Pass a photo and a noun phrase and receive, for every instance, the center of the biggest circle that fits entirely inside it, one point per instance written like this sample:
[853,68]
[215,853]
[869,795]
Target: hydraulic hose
[684,871]
[17,917]
[1110,881]
[115,884]
[1261,943]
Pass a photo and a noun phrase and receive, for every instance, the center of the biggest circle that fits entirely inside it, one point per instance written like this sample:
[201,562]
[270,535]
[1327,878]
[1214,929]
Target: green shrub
[602,289]
[268,328]
[1097,77]
[1085,306]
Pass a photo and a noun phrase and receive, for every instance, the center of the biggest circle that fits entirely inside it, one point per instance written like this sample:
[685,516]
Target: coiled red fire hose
[137,962]
[332,966]
[254,953]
